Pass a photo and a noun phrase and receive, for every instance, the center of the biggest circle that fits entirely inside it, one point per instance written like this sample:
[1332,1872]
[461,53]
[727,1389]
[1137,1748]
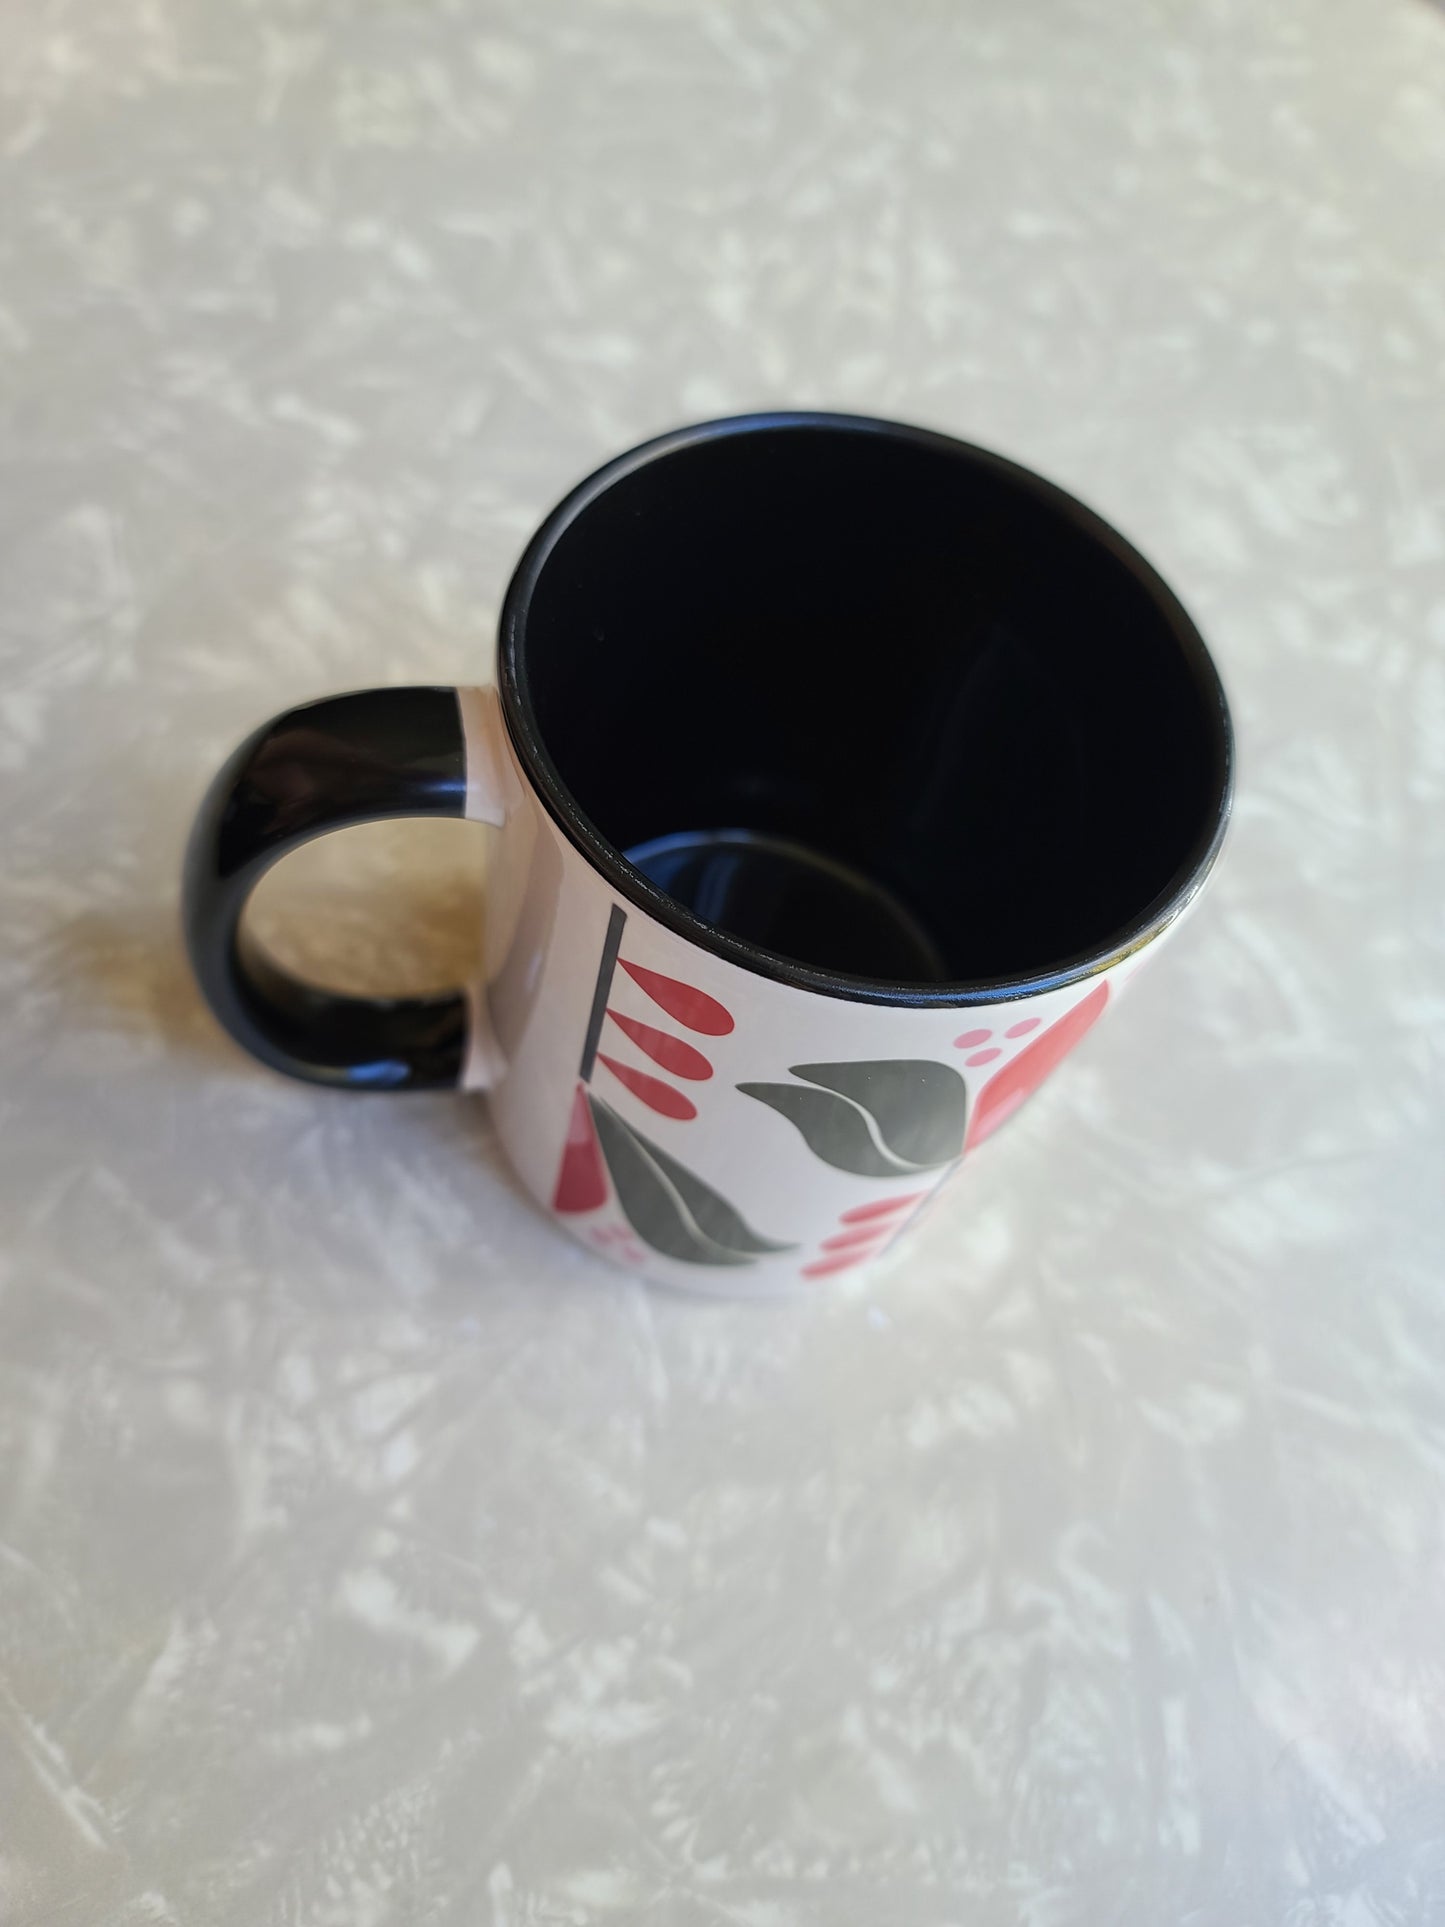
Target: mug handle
[357,758]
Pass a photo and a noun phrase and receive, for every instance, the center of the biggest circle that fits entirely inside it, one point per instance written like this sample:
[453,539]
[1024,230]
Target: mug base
[793,900]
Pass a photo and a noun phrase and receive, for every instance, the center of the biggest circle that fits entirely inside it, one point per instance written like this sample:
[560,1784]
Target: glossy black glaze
[904,653]
[350,759]
[787,899]
[911,661]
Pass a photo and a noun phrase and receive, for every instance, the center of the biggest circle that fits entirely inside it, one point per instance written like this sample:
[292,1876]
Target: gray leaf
[836,1131]
[919,1106]
[668,1206]
[709,1210]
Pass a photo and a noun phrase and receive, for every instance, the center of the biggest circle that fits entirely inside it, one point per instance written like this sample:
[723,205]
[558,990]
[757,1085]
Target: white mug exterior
[698,1122]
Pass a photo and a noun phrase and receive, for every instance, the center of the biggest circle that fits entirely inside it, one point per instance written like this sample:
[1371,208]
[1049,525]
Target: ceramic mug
[844,773]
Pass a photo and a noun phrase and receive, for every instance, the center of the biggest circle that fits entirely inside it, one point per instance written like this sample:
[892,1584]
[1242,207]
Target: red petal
[825,1266]
[652,1091]
[860,1235]
[864,1213]
[693,1008]
[1002,1095]
[582,1177]
[663,1048]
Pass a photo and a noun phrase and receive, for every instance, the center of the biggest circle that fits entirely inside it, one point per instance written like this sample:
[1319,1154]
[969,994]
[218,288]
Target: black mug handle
[357,758]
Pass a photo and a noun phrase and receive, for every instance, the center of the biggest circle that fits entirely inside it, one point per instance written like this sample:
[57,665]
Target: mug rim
[1163,909]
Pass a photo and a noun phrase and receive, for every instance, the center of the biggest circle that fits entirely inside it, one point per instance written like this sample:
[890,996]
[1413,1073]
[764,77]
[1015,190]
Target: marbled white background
[369,1555]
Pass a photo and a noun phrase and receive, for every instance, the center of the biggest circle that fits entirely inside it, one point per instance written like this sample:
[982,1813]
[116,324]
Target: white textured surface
[367,1554]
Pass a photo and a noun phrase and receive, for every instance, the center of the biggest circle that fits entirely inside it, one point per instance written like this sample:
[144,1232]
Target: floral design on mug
[686,1005]
[668,1206]
[863,1232]
[684,1002]
[1007,1089]
[883,1118]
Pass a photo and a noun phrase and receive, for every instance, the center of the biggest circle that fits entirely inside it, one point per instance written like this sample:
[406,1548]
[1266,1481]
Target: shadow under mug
[844,773]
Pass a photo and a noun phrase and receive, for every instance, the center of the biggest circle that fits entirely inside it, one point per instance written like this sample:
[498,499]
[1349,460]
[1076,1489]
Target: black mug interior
[869,699]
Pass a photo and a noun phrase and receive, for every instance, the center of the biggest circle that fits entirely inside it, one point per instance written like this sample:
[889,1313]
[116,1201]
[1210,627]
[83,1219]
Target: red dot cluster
[972,1038]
